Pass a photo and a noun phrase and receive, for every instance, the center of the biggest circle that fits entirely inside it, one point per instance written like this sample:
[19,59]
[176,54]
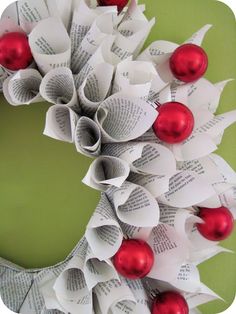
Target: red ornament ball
[188,63]
[174,123]
[15,53]
[134,259]
[218,223]
[119,3]
[170,302]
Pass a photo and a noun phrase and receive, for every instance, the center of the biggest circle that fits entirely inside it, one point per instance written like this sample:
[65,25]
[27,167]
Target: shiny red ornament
[134,259]
[119,3]
[15,53]
[218,223]
[174,123]
[189,63]
[170,302]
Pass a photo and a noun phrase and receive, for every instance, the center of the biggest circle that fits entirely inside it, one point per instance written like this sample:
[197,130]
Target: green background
[44,207]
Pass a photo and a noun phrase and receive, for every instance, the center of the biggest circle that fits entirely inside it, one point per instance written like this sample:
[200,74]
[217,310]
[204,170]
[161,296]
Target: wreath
[148,120]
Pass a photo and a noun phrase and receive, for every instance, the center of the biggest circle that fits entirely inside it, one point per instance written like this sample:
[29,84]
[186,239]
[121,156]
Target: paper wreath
[104,94]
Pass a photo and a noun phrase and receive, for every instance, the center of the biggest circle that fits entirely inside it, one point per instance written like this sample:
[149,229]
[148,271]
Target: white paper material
[204,94]
[156,185]
[58,87]
[22,88]
[95,88]
[148,136]
[10,13]
[83,17]
[22,286]
[100,29]
[158,52]
[113,295]
[202,141]
[26,13]
[96,271]
[213,168]
[169,252]
[215,126]
[197,257]
[8,25]
[133,300]
[188,279]
[228,198]
[134,205]
[198,241]
[134,11]
[134,232]
[106,171]
[199,298]
[87,137]
[103,54]
[31,12]
[103,231]
[137,78]
[123,118]
[131,37]
[50,45]
[181,189]
[196,146]
[61,123]
[61,9]
[70,287]
[198,37]
[171,92]
[74,285]
[3,77]
[49,295]
[181,219]
[141,297]
[144,158]
[132,32]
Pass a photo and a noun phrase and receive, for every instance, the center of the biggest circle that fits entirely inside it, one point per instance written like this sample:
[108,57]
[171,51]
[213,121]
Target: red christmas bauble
[119,3]
[15,53]
[174,123]
[134,259]
[170,302]
[188,63]
[218,223]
